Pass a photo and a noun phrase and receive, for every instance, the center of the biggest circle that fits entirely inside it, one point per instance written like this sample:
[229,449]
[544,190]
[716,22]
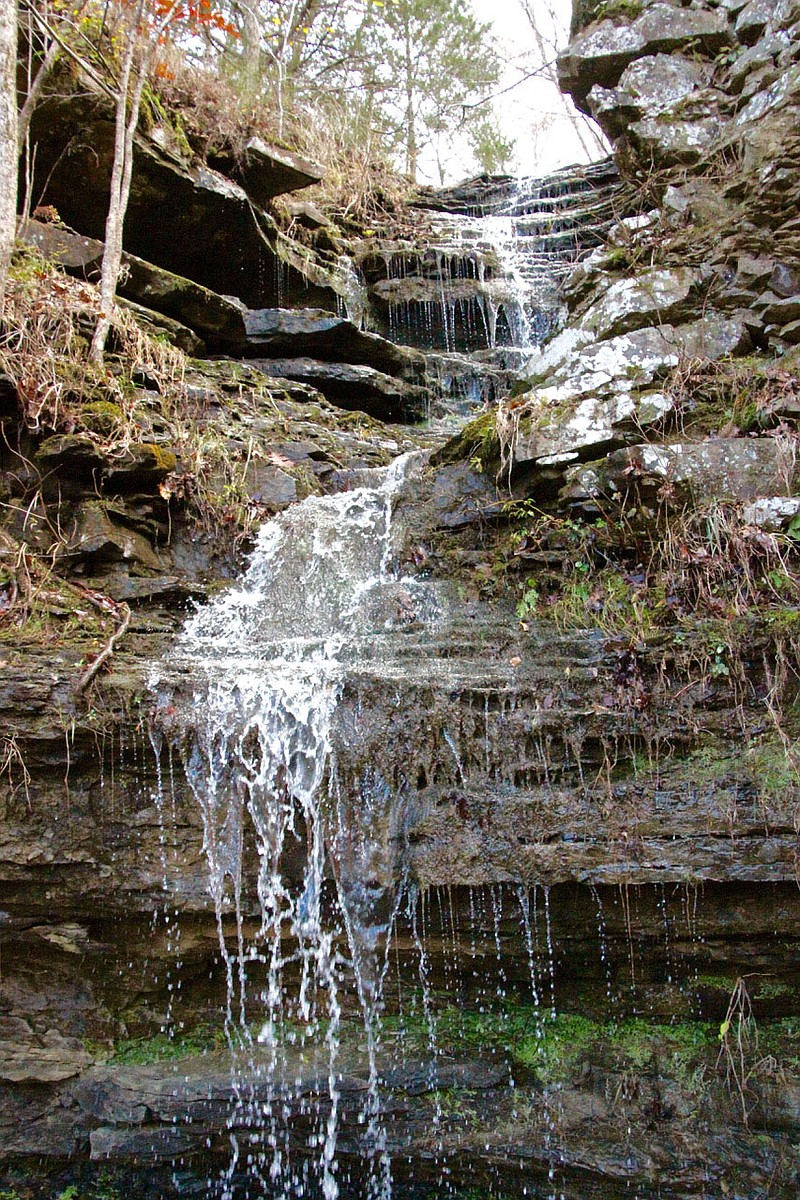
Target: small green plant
[106,1187]
[529,602]
[608,9]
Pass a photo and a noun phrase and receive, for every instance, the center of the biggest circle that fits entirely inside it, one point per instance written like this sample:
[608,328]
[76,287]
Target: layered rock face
[597,819]
[700,103]
[214,226]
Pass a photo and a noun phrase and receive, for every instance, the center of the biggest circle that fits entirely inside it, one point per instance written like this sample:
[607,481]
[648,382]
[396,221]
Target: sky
[533,111]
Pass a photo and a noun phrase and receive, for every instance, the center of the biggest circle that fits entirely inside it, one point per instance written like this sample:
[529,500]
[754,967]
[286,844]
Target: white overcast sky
[533,112]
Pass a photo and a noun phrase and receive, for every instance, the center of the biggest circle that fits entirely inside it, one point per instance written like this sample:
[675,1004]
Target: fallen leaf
[279,460]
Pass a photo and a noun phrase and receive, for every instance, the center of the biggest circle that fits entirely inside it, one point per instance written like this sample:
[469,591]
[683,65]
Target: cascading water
[489,276]
[335,720]
[249,695]
[485,289]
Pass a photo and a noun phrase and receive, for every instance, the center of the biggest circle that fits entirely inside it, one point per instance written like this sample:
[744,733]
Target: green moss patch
[478,441]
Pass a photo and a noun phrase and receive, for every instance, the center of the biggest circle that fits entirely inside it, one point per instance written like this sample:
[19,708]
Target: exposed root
[738,1035]
[109,648]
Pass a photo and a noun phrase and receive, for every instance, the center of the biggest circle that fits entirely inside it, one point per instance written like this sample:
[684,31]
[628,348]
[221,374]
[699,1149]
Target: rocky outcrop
[267,171]
[573,1112]
[598,56]
[354,369]
[352,387]
[110,506]
[210,228]
[529,763]
[720,470]
[314,333]
[589,755]
[218,322]
[707,272]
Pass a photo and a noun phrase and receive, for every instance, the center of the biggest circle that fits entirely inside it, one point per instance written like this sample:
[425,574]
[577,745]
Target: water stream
[249,695]
[269,687]
[251,698]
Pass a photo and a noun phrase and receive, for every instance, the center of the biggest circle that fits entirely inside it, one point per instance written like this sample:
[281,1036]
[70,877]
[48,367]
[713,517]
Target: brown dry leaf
[279,460]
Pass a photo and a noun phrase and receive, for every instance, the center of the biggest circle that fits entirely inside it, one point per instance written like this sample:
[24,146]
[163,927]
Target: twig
[111,645]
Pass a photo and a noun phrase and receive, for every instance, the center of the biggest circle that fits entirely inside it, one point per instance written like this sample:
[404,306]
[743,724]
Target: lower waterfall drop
[249,696]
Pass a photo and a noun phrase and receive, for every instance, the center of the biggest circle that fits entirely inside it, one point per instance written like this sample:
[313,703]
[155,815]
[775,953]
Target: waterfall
[249,696]
[479,288]
[520,248]
[303,818]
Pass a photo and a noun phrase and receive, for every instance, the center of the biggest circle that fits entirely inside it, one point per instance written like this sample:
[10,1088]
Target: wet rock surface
[210,228]
[353,386]
[601,821]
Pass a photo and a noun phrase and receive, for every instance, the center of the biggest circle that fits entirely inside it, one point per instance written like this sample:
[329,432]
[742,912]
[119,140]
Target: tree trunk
[124,133]
[412,152]
[8,135]
[35,89]
[251,46]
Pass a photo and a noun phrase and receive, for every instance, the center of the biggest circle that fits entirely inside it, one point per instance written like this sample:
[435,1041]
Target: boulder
[648,87]
[790,334]
[73,464]
[306,213]
[753,59]
[49,1058]
[785,280]
[759,80]
[772,513]
[74,454]
[267,171]
[452,497]
[575,364]
[270,486]
[596,395]
[353,387]
[778,310]
[753,20]
[552,359]
[595,424]
[758,17]
[93,537]
[311,332]
[725,469]
[657,294]
[600,54]
[665,141]
[216,319]
[141,468]
[785,89]
[715,336]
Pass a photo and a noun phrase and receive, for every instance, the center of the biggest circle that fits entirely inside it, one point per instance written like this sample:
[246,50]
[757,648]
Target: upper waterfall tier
[495,253]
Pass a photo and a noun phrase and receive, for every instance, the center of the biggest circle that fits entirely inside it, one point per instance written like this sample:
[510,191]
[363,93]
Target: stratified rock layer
[598,821]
